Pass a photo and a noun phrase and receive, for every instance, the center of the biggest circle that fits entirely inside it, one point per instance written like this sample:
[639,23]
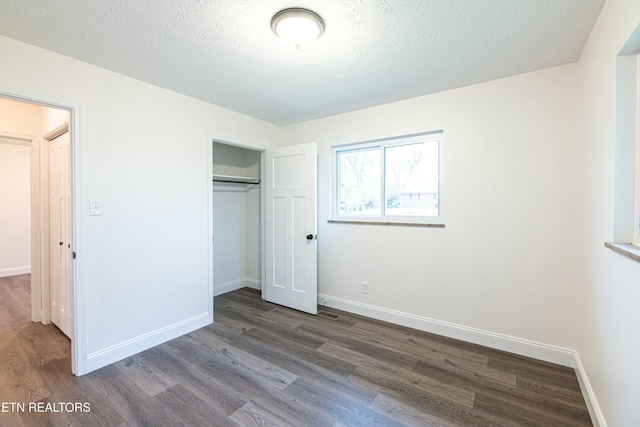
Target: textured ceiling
[372,52]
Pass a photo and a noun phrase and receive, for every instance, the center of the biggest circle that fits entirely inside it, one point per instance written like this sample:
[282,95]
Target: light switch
[95,207]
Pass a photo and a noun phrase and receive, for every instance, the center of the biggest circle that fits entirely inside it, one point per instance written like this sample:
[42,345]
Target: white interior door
[60,236]
[291,245]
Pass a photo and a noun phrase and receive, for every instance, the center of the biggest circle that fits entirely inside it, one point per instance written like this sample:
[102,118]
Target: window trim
[636,234]
[382,219]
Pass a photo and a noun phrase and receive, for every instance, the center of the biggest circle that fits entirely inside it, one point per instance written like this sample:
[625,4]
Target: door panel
[291,258]
[288,171]
[279,246]
[60,236]
[54,228]
[299,228]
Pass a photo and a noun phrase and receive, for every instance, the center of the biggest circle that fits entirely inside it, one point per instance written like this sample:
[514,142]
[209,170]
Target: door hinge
[73,254]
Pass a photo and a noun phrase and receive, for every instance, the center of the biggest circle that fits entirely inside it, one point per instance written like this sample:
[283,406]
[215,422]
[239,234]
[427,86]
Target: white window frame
[636,239]
[436,221]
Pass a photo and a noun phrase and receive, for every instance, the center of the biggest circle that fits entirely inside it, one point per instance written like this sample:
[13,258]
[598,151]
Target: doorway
[33,124]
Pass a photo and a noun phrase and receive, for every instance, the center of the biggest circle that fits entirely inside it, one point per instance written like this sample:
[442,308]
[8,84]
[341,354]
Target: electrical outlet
[365,287]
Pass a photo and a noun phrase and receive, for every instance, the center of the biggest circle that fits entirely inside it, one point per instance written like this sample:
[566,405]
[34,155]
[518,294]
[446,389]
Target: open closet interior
[236,218]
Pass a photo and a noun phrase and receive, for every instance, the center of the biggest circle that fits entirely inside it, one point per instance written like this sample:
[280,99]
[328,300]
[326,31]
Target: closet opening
[237,218]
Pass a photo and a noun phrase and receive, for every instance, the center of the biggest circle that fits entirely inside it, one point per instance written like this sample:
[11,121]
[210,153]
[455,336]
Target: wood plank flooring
[264,365]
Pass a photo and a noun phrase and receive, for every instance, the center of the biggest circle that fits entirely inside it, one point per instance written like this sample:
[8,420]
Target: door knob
[309,236]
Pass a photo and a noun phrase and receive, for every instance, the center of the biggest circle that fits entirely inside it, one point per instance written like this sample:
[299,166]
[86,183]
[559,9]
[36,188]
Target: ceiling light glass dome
[297,27]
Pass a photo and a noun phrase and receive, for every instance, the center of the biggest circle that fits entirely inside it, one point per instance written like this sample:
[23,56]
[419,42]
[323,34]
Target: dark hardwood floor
[264,365]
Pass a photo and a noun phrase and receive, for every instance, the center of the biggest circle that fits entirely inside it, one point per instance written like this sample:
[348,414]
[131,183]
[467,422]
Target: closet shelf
[235,179]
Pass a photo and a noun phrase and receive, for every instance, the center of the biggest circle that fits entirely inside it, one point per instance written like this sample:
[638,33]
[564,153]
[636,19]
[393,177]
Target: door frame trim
[78,211]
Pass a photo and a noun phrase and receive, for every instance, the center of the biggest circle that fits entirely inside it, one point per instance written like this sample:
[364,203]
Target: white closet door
[291,246]
[60,236]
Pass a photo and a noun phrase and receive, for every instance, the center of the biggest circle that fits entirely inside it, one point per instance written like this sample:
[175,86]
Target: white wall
[15,214]
[22,120]
[505,264]
[52,118]
[229,231]
[253,239]
[145,154]
[608,341]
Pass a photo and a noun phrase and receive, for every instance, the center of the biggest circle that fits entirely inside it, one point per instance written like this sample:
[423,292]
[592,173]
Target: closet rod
[237,182]
[235,179]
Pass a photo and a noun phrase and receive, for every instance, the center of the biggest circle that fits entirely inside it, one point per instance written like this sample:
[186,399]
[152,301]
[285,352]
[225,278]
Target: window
[626,221]
[394,180]
[627,184]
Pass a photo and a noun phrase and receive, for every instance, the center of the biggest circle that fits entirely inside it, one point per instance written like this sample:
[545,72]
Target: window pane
[359,183]
[411,179]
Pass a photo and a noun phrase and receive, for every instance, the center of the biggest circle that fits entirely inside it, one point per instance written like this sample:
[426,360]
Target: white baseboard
[234,285]
[114,353]
[253,284]
[548,353]
[597,417]
[6,272]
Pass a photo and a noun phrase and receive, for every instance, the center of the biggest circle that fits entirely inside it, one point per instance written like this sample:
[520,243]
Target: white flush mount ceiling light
[297,27]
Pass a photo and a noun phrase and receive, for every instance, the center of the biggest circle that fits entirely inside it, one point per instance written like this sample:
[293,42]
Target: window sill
[627,249]
[408,224]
